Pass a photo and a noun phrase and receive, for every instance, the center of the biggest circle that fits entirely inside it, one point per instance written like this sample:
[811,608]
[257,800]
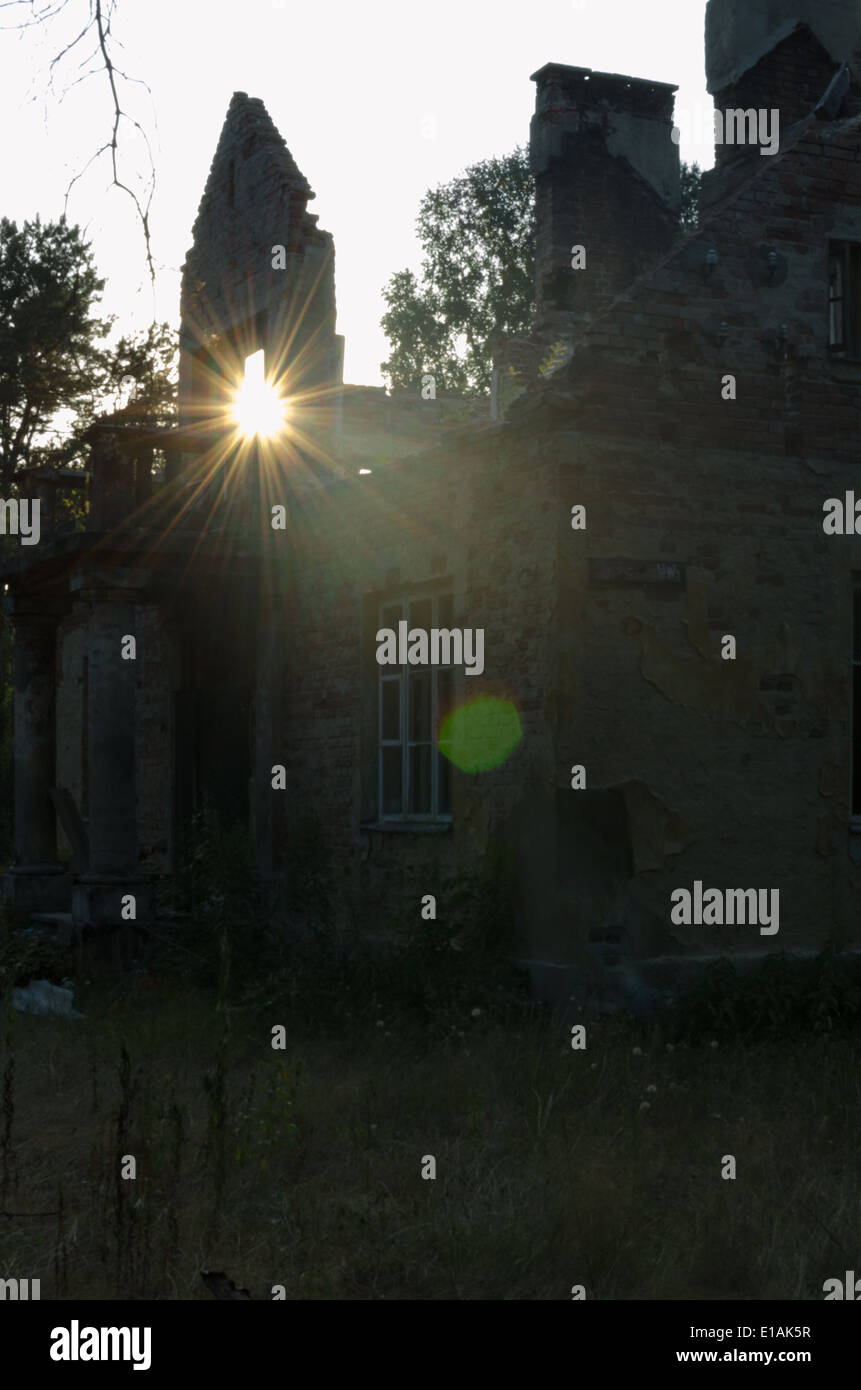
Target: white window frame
[401,675]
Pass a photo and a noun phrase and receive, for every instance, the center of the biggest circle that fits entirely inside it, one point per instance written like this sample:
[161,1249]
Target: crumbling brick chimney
[777,55]
[607,179]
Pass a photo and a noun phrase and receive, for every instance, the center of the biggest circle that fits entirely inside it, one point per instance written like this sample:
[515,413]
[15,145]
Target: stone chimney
[607,179]
[776,55]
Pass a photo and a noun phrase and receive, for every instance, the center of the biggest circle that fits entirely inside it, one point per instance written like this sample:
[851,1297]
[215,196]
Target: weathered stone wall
[71,657]
[153,761]
[152,738]
[735,773]
[791,79]
[474,524]
[377,427]
[739,34]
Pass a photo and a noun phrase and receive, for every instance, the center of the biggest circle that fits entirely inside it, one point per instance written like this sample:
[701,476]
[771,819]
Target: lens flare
[258,409]
[481,734]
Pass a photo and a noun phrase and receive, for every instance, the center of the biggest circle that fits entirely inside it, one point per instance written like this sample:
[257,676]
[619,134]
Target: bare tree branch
[143,212]
[98,26]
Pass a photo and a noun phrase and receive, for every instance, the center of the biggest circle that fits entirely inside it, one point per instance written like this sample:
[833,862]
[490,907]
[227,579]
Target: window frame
[845,255]
[400,675]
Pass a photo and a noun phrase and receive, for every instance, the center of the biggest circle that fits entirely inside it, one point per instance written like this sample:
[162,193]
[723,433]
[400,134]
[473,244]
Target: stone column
[267,808]
[112,871]
[36,881]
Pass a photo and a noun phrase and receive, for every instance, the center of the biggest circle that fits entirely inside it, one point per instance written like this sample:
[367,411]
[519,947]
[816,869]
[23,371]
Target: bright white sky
[378,101]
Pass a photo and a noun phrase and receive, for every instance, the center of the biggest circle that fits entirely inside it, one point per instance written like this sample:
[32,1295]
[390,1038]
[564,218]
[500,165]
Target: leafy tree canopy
[689,213]
[57,375]
[478,238]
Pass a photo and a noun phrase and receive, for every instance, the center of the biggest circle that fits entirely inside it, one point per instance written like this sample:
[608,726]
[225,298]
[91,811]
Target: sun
[258,409]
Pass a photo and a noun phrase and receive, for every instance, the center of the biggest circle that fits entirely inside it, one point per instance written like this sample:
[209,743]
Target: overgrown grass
[303,1167]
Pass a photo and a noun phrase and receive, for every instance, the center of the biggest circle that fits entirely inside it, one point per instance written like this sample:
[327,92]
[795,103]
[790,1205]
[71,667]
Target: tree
[56,374]
[134,383]
[137,384]
[478,237]
[49,335]
[689,212]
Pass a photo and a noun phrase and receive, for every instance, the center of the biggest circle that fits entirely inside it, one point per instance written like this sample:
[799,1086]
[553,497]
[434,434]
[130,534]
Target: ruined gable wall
[255,199]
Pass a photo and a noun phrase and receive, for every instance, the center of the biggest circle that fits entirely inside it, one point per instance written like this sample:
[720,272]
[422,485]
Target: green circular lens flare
[480,735]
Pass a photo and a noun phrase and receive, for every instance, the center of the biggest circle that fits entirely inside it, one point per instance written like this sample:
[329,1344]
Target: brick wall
[480,525]
[790,79]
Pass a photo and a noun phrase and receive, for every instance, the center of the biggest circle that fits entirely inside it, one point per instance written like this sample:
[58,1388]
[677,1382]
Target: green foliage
[49,335]
[28,953]
[554,357]
[691,180]
[214,893]
[478,238]
[56,374]
[782,998]
[134,383]
[311,876]
[444,969]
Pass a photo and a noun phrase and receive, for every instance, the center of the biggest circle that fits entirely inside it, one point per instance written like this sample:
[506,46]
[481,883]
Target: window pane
[835,298]
[445,609]
[420,613]
[391,614]
[444,785]
[391,697]
[445,694]
[393,802]
[420,712]
[420,780]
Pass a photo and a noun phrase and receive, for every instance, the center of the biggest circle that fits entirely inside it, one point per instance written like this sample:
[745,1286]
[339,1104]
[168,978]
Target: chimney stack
[607,179]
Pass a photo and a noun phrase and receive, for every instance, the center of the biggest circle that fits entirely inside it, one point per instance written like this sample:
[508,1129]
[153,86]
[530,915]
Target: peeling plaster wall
[739,32]
[734,772]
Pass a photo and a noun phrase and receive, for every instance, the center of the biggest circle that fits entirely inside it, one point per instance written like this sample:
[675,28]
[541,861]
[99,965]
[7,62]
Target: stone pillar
[267,808]
[36,881]
[112,871]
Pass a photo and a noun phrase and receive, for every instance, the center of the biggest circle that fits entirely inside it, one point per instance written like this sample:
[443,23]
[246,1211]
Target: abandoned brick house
[704,410]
